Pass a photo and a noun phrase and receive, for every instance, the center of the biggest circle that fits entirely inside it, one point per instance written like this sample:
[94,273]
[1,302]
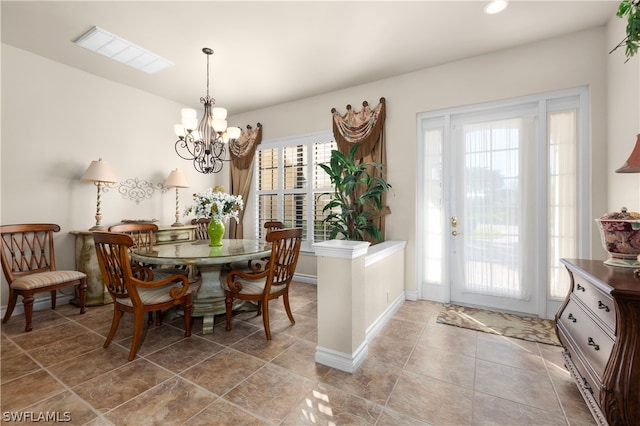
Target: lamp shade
[632,165]
[99,171]
[176,180]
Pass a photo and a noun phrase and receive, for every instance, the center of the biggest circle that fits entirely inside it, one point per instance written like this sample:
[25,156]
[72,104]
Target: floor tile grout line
[316,380]
[66,388]
[402,370]
[555,389]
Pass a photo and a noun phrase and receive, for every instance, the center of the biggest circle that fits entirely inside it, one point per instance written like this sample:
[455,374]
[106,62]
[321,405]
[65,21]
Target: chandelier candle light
[176,180]
[205,143]
[99,173]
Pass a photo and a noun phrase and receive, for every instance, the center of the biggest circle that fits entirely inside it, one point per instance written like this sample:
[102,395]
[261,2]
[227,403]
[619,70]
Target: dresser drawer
[599,303]
[591,340]
[584,375]
[173,236]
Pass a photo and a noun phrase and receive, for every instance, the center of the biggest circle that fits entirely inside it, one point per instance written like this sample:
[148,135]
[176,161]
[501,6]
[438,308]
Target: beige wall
[384,285]
[571,61]
[623,117]
[56,119]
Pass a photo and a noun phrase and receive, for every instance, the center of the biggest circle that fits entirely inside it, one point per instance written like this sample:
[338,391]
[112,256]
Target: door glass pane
[433,251]
[562,229]
[492,208]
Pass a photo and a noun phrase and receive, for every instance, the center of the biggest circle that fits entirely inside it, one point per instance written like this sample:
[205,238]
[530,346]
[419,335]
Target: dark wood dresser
[599,327]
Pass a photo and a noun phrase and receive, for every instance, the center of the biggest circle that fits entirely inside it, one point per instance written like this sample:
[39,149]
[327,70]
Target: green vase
[216,232]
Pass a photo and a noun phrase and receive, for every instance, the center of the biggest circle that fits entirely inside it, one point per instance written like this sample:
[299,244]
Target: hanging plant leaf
[630,10]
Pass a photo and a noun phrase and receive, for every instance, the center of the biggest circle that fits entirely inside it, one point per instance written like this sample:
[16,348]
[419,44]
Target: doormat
[509,325]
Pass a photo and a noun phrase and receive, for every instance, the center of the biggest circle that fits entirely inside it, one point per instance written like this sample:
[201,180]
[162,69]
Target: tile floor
[418,372]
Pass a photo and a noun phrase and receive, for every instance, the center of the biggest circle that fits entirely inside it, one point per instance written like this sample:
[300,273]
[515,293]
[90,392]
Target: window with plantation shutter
[291,187]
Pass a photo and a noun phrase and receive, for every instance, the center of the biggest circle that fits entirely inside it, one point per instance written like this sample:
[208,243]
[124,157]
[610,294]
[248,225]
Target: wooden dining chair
[143,236]
[256,265]
[201,227]
[270,283]
[269,226]
[29,266]
[133,288]
[273,225]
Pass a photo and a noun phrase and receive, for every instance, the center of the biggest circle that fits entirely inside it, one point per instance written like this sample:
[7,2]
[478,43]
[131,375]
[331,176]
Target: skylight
[116,48]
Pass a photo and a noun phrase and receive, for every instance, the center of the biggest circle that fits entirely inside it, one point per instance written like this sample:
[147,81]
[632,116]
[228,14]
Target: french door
[503,196]
[493,182]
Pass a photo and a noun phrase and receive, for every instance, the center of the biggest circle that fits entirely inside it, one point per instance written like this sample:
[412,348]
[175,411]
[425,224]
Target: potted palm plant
[357,197]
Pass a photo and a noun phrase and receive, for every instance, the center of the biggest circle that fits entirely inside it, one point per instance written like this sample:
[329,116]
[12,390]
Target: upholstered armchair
[270,283]
[134,289]
[29,265]
[143,236]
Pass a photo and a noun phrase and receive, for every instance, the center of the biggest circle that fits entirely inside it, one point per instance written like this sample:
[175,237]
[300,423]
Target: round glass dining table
[209,299]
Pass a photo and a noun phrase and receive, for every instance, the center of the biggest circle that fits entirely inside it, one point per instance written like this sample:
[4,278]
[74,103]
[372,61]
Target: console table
[87,262]
[599,327]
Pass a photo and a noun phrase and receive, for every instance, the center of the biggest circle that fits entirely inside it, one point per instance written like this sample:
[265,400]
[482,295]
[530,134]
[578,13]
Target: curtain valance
[243,149]
[364,127]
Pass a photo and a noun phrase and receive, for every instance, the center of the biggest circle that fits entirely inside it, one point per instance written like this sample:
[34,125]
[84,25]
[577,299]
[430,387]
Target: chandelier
[205,143]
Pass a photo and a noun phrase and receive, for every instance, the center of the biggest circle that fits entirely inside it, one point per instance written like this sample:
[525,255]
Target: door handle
[455,233]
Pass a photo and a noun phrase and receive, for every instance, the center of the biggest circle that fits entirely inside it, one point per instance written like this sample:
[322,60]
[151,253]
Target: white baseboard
[411,295]
[344,362]
[38,304]
[306,278]
[350,362]
[384,318]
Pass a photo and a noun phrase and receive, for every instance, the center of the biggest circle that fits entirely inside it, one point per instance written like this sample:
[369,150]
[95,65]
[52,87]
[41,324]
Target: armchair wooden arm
[270,283]
[140,293]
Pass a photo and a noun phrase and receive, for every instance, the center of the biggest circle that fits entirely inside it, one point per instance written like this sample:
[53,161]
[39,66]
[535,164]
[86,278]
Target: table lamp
[632,165]
[99,173]
[176,180]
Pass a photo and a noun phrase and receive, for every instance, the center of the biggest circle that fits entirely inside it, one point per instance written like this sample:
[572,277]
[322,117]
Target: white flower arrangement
[216,204]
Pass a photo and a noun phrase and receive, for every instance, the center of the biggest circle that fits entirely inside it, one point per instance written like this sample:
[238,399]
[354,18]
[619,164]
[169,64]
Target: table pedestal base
[209,300]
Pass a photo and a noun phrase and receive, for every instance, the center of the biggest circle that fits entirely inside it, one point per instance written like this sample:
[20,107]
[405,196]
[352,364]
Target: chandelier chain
[207,51]
[207,76]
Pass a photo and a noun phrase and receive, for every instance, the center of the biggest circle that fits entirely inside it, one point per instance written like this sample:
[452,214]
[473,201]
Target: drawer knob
[572,318]
[602,306]
[592,343]
[581,288]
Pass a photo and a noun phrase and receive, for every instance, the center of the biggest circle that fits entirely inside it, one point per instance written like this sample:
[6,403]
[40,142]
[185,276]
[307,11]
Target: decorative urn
[620,233]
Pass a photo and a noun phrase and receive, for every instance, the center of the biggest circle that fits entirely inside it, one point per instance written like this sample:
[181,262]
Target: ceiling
[267,53]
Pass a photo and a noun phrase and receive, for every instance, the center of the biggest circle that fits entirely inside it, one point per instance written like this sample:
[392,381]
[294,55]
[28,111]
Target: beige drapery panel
[365,128]
[242,152]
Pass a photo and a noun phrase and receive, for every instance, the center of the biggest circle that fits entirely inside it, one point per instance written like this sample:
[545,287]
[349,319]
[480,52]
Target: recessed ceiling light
[114,47]
[496,6]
